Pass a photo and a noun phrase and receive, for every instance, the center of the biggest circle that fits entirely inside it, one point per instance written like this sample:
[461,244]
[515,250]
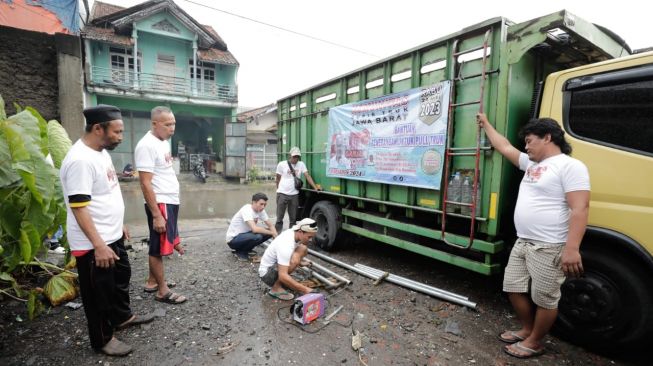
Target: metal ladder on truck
[450,152]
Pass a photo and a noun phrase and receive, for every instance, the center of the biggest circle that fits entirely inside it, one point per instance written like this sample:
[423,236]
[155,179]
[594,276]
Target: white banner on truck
[396,139]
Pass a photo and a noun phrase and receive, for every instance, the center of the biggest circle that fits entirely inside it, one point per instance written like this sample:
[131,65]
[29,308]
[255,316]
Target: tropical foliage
[32,202]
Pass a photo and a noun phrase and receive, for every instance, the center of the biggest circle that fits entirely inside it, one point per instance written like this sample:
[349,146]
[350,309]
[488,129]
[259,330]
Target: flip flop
[171,298]
[513,337]
[156,288]
[283,295]
[137,319]
[529,352]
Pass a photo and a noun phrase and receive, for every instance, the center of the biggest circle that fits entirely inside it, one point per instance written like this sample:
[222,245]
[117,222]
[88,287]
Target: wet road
[201,201]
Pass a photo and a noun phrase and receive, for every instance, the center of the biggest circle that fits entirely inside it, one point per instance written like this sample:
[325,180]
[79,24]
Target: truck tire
[610,307]
[327,216]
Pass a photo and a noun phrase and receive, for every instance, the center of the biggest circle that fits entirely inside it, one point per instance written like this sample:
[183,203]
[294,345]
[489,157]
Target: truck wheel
[327,216]
[610,306]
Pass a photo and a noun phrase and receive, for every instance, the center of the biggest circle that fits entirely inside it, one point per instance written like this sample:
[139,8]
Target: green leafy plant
[253,173]
[32,201]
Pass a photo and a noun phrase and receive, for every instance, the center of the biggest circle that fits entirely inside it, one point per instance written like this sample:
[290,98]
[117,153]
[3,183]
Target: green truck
[401,160]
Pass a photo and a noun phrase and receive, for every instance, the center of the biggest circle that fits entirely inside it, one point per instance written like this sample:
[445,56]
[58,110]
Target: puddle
[201,203]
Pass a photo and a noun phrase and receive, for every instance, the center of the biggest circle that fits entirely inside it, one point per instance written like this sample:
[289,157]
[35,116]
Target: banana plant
[32,201]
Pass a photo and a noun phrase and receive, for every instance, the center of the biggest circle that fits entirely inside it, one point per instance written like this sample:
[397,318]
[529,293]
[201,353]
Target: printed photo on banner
[396,139]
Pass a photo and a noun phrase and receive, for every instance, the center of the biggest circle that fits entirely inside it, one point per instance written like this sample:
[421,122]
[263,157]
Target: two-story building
[261,140]
[155,54]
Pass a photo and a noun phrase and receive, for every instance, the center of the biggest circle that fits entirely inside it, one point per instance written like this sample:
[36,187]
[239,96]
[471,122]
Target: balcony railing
[156,83]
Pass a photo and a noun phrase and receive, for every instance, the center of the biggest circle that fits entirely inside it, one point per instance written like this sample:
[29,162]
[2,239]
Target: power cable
[283,29]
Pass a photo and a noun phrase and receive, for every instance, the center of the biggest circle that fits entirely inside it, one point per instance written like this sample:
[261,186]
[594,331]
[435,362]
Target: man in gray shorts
[550,217]
[283,256]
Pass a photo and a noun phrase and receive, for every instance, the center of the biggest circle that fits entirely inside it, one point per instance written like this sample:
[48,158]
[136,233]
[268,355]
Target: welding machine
[308,308]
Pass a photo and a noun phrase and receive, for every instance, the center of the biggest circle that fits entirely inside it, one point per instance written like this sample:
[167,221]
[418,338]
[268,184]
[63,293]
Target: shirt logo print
[534,173]
[112,177]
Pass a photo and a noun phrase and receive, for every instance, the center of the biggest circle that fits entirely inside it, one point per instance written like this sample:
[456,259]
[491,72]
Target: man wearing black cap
[95,230]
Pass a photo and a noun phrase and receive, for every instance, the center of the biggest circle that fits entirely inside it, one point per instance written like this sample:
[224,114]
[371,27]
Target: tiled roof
[215,34]
[105,35]
[101,9]
[95,30]
[216,55]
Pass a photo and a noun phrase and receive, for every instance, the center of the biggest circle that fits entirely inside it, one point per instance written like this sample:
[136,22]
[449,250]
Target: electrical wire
[283,29]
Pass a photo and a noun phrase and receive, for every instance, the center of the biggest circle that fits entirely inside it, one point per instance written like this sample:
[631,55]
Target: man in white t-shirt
[287,194]
[95,230]
[244,233]
[283,256]
[550,217]
[161,192]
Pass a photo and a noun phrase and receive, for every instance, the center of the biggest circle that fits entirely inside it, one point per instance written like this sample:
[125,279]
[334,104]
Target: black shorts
[271,276]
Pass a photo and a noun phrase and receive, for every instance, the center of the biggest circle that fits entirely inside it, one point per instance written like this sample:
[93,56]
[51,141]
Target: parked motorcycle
[199,171]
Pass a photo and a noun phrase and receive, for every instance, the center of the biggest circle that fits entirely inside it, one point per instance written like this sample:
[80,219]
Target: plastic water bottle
[453,192]
[466,196]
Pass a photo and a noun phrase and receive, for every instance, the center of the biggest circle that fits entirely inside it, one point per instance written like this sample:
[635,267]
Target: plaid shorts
[538,263]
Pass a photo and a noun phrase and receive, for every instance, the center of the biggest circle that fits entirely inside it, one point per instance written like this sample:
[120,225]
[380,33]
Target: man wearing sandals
[550,217]
[95,230]
[283,256]
[161,192]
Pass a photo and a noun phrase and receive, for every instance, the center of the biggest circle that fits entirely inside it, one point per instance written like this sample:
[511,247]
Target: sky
[275,63]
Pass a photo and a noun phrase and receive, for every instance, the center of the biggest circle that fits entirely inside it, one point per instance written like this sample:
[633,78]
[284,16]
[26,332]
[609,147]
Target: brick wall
[28,71]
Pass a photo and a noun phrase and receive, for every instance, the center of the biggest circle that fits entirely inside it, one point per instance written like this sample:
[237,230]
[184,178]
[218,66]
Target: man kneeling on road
[283,256]
[243,233]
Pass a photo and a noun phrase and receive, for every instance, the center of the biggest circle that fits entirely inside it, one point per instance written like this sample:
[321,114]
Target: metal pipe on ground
[417,285]
[454,299]
[330,273]
[440,295]
[378,272]
[341,264]
[327,283]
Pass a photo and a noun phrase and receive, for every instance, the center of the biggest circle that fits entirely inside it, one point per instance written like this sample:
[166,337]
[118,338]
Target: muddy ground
[229,320]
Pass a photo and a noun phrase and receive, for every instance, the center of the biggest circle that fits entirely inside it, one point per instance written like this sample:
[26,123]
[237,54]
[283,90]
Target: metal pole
[330,273]
[378,272]
[403,281]
[452,299]
[320,278]
[341,264]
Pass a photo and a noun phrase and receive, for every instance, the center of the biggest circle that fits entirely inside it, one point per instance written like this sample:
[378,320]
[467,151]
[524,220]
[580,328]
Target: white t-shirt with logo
[238,224]
[279,251]
[86,171]
[542,212]
[287,183]
[153,156]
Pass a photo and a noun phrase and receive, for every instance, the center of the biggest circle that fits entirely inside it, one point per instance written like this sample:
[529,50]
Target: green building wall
[199,128]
